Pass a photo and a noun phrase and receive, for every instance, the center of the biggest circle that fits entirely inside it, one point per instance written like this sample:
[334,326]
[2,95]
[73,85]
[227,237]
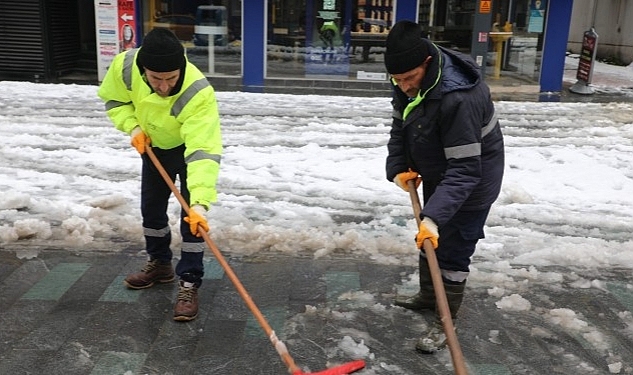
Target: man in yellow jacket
[154,93]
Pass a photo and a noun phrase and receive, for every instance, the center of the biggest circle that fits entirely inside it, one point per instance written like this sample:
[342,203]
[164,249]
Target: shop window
[182,25]
[517,58]
[340,39]
[526,45]
[210,32]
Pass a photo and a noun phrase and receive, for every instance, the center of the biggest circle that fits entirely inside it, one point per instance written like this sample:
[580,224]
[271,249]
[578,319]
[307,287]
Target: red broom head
[343,369]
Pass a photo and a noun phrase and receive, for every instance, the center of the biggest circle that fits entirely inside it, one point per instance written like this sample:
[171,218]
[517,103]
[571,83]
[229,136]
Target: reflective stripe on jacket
[191,117]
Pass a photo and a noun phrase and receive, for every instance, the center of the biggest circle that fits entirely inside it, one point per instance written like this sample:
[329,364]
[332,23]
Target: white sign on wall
[106,23]
[115,26]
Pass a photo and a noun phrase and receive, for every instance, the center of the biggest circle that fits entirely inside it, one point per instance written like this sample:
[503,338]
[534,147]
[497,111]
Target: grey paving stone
[94,326]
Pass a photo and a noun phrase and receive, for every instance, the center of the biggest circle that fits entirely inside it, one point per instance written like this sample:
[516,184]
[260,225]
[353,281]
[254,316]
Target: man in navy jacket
[445,135]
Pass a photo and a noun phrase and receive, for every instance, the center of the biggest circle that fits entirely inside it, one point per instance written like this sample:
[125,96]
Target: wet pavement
[69,313]
[509,87]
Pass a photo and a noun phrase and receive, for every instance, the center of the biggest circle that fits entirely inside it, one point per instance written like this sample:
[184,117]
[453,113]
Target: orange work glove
[138,139]
[402,178]
[427,231]
[196,219]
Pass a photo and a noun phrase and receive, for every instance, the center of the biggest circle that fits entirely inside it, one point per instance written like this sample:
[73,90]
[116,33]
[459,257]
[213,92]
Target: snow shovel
[293,369]
[438,287]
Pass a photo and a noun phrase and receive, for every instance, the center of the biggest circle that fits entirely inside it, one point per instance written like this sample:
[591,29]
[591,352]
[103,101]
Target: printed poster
[127,25]
[537,16]
[116,30]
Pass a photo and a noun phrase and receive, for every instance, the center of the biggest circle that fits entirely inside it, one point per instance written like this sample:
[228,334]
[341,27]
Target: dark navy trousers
[457,242]
[155,195]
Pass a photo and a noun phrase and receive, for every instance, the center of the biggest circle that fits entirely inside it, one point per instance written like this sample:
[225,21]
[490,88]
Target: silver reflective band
[128,64]
[186,96]
[110,104]
[457,276]
[465,151]
[201,155]
[149,232]
[473,149]
[193,247]
[491,125]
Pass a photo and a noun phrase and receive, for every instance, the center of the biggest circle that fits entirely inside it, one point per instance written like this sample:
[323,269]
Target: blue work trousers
[457,242]
[155,195]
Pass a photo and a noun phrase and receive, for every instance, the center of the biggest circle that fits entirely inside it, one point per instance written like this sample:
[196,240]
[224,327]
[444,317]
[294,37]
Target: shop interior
[299,45]
[345,39]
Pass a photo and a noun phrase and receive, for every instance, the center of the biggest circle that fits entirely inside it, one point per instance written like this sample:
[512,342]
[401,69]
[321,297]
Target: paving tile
[341,282]
[55,327]
[491,370]
[275,317]
[21,279]
[111,363]
[27,362]
[67,313]
[623,293]
[19,320]
[56,282]
[117,292]
[212,269]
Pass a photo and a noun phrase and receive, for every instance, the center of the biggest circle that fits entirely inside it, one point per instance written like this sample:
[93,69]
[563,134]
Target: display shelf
[424,14]
[460,13]
[373,15]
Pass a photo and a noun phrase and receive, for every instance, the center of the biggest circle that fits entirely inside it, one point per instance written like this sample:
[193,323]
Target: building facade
[324,46]
[609,19]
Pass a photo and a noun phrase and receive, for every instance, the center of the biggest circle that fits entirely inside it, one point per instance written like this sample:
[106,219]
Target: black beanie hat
[405,48]
[161,51]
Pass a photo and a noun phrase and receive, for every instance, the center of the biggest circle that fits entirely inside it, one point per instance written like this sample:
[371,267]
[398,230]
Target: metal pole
[593,15]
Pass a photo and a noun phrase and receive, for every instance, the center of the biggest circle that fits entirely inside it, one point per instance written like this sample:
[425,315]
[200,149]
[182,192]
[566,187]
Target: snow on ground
[305,175]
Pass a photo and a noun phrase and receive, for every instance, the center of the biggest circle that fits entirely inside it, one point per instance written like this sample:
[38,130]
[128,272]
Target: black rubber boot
[425,298]
[435,338]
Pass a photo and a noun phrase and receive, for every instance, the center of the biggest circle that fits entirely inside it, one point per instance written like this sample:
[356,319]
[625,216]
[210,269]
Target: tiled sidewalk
[68,313]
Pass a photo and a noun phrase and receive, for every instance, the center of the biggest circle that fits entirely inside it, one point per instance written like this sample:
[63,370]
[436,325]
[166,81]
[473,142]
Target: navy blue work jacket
[450,135]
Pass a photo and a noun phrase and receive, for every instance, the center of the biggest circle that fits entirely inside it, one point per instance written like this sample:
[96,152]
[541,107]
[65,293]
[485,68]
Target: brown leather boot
[186,307]
[425,298]
[152,273]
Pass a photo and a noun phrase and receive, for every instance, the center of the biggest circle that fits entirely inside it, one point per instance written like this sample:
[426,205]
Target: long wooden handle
[279,346]
[438,287]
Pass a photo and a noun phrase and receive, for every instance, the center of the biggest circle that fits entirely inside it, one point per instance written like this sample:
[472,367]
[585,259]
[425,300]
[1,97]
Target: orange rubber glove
[196,219]
[402,178]
[427,231]
[138,139]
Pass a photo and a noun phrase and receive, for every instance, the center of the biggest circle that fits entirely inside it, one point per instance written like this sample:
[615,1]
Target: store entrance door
[511,30]
[516,42]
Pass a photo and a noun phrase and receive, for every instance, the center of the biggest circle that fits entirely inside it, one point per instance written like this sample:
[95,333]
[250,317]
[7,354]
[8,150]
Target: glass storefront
[254,45]
[335,39]
[526,45]
[345,39]
[209,30]
[450,23]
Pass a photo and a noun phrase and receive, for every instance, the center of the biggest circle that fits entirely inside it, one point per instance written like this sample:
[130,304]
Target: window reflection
[196,25]
[338,39]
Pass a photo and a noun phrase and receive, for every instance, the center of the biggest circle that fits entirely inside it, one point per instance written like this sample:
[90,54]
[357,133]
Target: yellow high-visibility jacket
[190,117]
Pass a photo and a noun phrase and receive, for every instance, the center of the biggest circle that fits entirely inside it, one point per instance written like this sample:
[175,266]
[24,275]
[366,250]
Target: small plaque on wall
[371,76]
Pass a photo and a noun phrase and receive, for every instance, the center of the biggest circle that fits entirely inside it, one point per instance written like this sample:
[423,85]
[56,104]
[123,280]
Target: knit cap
[406,49]
[161,51]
